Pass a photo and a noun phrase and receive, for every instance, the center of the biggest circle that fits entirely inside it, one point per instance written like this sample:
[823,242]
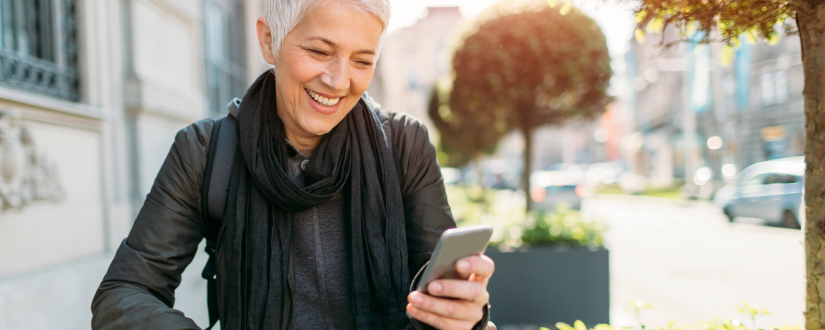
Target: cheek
[299,70]
[361,80]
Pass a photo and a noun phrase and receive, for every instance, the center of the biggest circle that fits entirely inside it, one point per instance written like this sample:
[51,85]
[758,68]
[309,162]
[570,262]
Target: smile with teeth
[322,100]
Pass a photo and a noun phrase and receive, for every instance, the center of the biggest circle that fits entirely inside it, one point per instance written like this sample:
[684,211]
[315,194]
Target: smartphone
[453,245]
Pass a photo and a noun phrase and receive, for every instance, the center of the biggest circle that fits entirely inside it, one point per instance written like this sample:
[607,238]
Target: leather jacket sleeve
[426,210]
[138,289]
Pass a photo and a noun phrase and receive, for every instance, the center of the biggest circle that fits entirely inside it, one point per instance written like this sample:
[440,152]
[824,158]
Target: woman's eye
[318,52]
[365,63]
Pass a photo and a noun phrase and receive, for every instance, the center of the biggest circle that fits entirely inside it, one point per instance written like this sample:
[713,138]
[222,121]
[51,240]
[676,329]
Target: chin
[319,124]
[318,127]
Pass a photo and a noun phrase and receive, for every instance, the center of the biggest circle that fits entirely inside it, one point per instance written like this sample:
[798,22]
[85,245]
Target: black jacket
[138,289]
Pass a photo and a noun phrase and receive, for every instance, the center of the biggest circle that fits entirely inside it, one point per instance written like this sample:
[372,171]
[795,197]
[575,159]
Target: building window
[38,47]
[768,91]
[728,98]
[224,53]
[781,86]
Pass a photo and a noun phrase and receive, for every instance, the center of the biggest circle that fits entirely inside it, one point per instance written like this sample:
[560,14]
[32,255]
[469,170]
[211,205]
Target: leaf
[579,325]
[750,36]
[773,39]
[564,326]
[640,16]
[691,28]
[641,305]
[565,8]
[655,25]
[728,52]
[640,36]
[747,309]
[603,327]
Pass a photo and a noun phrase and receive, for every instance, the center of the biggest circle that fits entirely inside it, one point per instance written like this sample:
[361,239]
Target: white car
[552,188]
[771,190]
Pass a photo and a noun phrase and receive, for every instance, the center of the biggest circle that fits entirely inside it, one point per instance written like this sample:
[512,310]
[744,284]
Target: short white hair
[283,15]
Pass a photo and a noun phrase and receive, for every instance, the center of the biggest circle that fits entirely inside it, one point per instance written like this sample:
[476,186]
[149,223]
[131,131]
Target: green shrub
[564,227]
[512,228]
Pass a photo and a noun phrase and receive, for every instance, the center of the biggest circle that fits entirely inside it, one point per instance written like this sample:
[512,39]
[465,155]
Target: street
[692,265]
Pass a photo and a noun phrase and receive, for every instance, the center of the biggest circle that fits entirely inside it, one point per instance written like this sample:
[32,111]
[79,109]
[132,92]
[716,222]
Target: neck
[301,142]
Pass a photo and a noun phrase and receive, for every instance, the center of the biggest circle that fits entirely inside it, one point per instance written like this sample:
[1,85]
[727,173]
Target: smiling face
[323,66]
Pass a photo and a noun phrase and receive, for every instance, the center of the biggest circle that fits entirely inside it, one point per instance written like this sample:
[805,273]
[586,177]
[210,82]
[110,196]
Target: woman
[333,205]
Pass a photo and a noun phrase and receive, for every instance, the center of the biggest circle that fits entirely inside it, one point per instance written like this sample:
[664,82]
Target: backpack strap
[219,158]
[222,164]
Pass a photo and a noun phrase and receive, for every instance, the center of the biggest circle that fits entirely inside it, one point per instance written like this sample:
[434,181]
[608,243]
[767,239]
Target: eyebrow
[334,45]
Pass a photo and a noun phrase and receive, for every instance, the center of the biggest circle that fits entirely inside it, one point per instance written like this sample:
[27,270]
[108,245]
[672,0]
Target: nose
[337,76]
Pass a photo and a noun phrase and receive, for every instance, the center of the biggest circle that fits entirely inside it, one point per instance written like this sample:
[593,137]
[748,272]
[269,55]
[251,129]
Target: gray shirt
[320,278]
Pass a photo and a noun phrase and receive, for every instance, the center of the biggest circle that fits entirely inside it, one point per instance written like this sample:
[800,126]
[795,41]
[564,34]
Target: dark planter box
[545,285]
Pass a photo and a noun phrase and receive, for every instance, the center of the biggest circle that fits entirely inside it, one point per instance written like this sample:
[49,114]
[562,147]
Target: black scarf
[253,250]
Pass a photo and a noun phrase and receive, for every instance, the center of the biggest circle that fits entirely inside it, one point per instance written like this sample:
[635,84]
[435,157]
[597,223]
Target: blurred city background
[679,165]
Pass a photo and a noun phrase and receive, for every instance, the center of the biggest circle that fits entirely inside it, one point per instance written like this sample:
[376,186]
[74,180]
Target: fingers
[459,289]
[451,308]
[438,322]
[480,266]
[469,297]
[444,313]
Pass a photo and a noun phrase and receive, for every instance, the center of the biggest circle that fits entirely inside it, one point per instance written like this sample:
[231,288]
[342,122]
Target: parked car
[551,188]
[501,174]
[602,174]
[771,190]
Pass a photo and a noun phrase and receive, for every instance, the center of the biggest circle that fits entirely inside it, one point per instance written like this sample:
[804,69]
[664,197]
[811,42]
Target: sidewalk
[60,296]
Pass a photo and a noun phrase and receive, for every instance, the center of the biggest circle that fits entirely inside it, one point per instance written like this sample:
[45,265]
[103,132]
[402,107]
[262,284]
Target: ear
[265,40]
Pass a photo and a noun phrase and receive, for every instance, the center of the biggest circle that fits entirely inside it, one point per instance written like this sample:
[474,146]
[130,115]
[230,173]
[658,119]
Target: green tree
[532,64]
[462,137]
[726,21]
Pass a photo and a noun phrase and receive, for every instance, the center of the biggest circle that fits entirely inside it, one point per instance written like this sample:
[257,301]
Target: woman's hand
[455,304]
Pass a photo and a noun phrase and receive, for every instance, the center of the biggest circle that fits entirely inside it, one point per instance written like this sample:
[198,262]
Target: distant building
[656,77]
[412,59]
[768,121]
[686,100]
[91,96]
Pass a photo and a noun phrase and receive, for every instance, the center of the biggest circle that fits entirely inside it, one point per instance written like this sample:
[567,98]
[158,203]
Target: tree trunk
[479,173]
[811,24]
[480,178]
[527,168]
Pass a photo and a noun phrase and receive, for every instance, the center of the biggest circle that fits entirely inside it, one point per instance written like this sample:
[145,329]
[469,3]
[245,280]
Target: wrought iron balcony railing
[38,47]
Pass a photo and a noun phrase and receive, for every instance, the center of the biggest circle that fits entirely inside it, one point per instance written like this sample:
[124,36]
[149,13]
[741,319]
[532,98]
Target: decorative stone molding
[25,174]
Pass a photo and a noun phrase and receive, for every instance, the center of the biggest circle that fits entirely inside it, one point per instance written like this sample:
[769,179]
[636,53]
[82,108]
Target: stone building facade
[92,93]
[685,95]
[413,59]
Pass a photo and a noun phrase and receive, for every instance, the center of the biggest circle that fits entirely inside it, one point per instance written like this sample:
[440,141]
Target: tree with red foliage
[530,63]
